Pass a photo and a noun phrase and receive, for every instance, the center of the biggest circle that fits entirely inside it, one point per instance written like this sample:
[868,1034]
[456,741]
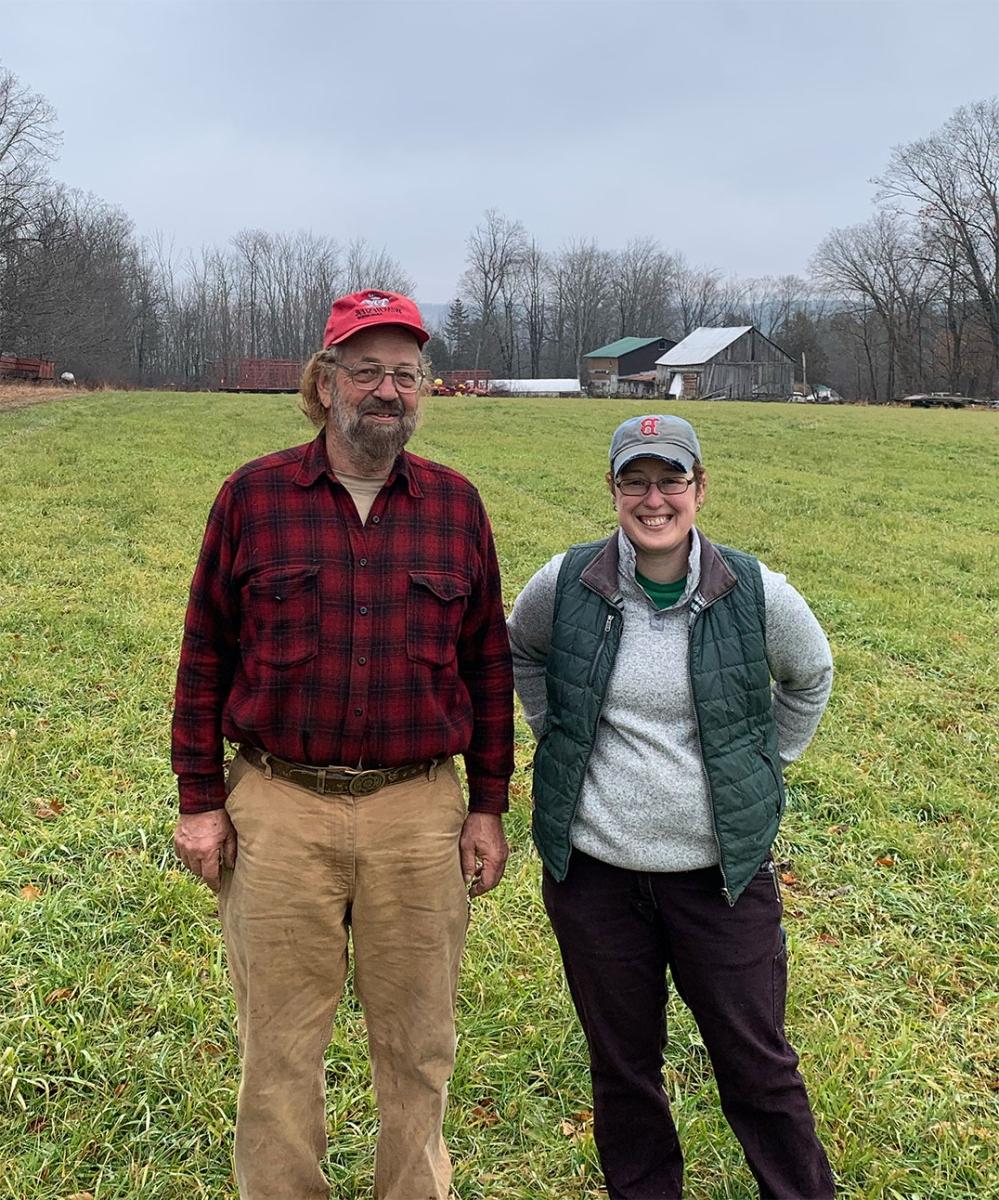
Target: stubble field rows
[117,1049]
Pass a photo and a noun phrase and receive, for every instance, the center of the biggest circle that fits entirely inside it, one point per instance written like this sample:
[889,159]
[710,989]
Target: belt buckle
[366,782]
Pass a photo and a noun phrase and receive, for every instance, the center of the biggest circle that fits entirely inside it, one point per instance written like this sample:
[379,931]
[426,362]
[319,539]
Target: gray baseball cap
[670,438]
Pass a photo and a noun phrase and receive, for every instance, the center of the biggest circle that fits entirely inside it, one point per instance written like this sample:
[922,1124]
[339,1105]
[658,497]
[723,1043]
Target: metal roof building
[733,362]
[701,345]
[607,365]
[621,347]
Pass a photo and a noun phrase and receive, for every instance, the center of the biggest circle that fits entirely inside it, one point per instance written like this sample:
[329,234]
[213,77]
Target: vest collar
[600,575]
[717,577]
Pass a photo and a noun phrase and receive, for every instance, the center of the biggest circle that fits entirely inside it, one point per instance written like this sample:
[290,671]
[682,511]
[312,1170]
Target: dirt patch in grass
[20,395]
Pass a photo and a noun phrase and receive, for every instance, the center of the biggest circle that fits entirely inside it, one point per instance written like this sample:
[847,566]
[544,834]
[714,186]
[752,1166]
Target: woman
[668,680]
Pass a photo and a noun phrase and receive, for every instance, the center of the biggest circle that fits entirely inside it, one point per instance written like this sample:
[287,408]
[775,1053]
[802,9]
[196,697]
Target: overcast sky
[737,131]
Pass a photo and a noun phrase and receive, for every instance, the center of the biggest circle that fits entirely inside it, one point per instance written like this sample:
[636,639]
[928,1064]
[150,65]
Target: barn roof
[701,345]
[622,346]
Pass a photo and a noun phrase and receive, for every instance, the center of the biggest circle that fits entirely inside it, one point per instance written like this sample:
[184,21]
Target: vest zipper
[596,725]
[726,894]
[600,649]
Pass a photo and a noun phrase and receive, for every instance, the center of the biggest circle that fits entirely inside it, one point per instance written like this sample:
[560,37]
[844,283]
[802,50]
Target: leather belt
[335,781]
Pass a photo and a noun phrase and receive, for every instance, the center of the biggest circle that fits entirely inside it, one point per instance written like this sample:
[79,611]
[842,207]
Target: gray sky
[737,131]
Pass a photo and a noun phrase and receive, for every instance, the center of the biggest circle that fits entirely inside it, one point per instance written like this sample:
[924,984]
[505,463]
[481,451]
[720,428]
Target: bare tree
[882,263]
[771,302]
[28,141]
[861,332]
[366,267]
[951,179]
[581,273]
[642,279]
[495,251]
[699,297]
[253,246]
[534,303]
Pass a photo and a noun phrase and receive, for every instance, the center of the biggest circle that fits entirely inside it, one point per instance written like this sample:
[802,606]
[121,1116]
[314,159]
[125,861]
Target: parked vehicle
[937,400]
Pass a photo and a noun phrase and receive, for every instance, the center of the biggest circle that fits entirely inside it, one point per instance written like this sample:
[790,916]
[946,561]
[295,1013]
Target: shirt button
[362,660]
[363,562]
[363,611]
[358,711]
[375,520]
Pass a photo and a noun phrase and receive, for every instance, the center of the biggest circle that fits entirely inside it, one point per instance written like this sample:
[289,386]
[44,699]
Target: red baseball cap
[361,310]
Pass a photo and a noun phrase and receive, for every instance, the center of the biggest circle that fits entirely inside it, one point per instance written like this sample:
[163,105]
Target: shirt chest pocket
[284,618]
[435,607]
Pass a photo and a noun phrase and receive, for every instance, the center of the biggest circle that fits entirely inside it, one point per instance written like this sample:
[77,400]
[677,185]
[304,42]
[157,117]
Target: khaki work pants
[309,868]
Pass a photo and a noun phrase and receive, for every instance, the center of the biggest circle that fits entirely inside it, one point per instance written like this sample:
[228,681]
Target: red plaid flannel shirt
[327,642]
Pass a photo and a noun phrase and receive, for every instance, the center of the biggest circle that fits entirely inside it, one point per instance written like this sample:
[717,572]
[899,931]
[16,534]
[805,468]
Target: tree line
[906,301]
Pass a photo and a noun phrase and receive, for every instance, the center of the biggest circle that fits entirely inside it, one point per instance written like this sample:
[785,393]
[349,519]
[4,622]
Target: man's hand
[204,841]
[483,851]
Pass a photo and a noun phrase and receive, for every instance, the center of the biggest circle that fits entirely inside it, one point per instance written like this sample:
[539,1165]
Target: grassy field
[117,1061]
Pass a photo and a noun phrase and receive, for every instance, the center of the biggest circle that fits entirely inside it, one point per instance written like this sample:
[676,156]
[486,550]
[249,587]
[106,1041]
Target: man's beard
[372,444]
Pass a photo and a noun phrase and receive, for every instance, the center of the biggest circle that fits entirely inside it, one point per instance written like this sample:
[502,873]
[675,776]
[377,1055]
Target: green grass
[117,1060]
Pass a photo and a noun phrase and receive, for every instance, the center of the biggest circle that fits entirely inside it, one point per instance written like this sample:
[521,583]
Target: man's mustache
[381,407]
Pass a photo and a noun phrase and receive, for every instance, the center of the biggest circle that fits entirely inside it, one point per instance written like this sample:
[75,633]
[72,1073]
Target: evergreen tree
[458,333]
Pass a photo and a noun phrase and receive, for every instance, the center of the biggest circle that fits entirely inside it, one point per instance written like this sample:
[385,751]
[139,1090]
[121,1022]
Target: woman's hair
[319,368]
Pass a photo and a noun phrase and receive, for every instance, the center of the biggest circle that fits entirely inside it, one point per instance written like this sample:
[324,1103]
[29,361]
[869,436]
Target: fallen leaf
[938,1008]
[46,810]
[840,891]
[568,1129]
[886,860]
[788,878]
[836,829]
[58,994]
[828,937]
[484,1113]
[30,892]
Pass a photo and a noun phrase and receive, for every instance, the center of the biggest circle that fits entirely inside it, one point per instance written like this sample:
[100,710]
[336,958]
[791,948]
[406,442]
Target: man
[346,630]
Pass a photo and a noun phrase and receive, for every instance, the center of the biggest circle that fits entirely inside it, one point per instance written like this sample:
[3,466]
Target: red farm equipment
[259,375]
[466,383]
[35,370]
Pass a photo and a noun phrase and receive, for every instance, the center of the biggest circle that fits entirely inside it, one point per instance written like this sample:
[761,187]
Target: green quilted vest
[732,697]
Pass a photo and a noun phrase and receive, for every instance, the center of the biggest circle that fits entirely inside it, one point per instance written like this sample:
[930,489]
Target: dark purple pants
[619,931]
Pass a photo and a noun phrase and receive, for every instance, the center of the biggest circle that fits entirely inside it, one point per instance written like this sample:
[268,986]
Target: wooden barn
[732,362]
[628,356]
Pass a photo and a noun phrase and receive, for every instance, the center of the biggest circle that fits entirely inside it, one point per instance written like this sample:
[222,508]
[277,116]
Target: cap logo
[649,427]
[376,301]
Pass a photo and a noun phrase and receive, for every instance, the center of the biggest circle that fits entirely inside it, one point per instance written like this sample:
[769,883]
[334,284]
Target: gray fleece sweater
[644,803]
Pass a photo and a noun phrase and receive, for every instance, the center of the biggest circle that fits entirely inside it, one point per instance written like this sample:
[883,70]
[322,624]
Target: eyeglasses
[370,375]
[640,487]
